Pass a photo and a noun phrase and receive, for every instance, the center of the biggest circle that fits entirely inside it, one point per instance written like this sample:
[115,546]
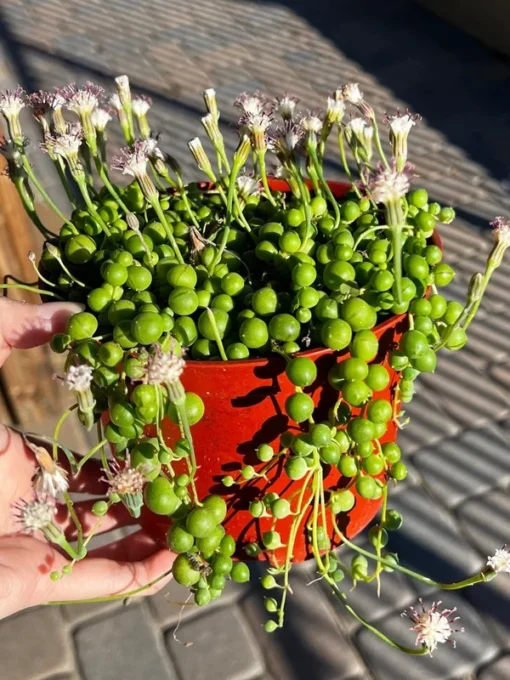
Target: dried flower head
[433,627]
[12,101]
[285,106]
[501,230]
[352,94]
[388,185]
[253,104]
[247,186]
[134,161]
[79,378]
[82,100]
[311,123]
[100,119]
[41,103]
[163,367]
[34,515]
[500,561]
[287,138]
[124,478]
[50,480]
[141,105]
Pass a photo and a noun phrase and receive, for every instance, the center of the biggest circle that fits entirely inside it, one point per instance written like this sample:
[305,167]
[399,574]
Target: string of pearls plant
[172,272]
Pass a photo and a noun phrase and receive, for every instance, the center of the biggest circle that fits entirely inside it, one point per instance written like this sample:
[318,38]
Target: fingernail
[49,309]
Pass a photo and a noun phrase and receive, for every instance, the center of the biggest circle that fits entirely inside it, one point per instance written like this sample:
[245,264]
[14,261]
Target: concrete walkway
[458,442]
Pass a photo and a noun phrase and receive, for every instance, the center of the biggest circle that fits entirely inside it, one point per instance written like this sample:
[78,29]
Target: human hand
[26,561]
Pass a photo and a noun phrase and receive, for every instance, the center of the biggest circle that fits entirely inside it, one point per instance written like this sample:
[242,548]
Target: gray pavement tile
[501,374]
[485,520]
[470,464]
[498,670]
[465,392]
[473,647]
[311,644]
[33,644]
[223,646]
[122,645]
[435,547]
[489,337]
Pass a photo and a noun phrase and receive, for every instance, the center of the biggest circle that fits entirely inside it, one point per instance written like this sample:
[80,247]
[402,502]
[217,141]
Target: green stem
[59,165]
[486,278]
[72,513]
[154,201]
[20,286]
[216,332]
[306,206]
[180,405]
[396,241]
[106,181]
[28,169]
[345,165]
[378,145]
[325,185]
[58,427]
[366,233]
[261,161]
[82,185]
[90,453]
[29,207]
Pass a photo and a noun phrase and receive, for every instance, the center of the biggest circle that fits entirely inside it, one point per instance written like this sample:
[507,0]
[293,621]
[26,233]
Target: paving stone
[435,547]
[466,392]
[499,670]
[34,644]
[452,475]
[311,644]
[223,647]
[473,647]
[122,646]
[501,374]
[485,521]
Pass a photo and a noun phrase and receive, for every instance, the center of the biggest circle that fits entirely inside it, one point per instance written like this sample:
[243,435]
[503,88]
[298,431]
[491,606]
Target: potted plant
[246,343]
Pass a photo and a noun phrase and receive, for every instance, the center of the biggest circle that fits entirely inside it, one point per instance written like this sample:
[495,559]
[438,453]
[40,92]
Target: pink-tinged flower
[50,480]
[501,231]
[352,94]
[433,627]
[163,367]
[288,137]
[253,104]
[79,378]
[41,103]
[141,105]
[100,118]
[247,186]
[402,123]
[389,185]
[82,100]
[127,482]
[134,161]
[12,101]
[34,515]
[500,561]
[285,106]
[67,144]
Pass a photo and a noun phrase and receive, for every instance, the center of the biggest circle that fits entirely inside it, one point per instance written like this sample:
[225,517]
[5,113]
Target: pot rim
[339,188]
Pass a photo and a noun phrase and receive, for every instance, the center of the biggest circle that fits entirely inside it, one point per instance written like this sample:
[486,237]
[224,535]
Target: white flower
[125,480]
[387,185]
[252,104]
[12,101]
[141,105]
[500,561]
[211,104]
[79,378]
[198,152]
[352,94]
[100,118]
[34,515]
[134,161]
[51,478]
[66,145]
[82,100]
[286,106]
[335,109]
[287,137]
[311,123]
[356,126]
[257,122]
[247,186]
[114,101]
[501,231]
[402,124]
[433,627]
[164,367]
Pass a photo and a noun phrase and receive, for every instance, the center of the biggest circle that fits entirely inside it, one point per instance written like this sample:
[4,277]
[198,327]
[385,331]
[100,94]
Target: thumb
[23,325]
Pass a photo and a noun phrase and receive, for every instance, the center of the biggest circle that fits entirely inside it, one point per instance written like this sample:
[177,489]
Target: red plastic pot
[244,407]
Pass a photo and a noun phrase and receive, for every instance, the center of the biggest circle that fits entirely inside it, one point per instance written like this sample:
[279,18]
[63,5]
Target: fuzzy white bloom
[286,106]
[252,104]
[500,561]
[433,627]
[125,480]
[335,110]
[164,367]
[82,100]
[356,126]
[387,185]
[311,123]
[141,105]
[287,137]
[114,101]
[258,122]
[123,89]
[501,231]
[12,101]
[100,118]
[58,102]
[34,515]
[247,186]
[79,378]
[66,145]
[352,94]
[51,479]
[134,161]
[402,125]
